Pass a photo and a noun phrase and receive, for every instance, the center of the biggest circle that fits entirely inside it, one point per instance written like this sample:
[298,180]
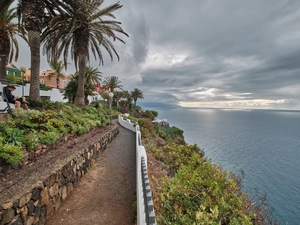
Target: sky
[206,53]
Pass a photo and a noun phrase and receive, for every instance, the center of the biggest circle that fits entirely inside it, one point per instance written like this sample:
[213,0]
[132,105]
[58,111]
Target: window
[42,81]
[65,83]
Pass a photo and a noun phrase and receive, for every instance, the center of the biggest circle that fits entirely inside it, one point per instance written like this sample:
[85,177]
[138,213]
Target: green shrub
[173,156]
[15,136]
[31,141]
[20,112]
[48,137]
[12,154]
[32,127]
[154,113]
[172,134]
[82,130]
[201,193]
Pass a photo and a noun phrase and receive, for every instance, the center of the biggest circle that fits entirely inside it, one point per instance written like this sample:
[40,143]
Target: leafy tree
[8,41]
[112,83]
[136,94]
[82,26]
[57,67]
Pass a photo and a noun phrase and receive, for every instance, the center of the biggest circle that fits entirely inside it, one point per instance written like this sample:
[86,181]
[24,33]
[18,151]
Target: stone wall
[39,203]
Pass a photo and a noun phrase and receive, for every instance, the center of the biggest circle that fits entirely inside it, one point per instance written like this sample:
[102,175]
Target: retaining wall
[36,205]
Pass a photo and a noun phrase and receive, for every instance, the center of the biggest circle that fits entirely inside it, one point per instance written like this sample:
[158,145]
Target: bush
[201,193]
[31,128]
[15,136]
[31,141]
[12,154]
[48,137]
[173,156]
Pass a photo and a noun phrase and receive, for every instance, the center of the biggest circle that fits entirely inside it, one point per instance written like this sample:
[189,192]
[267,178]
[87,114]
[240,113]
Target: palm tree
[92,75]
[112,83]
[72,86]
[127,95]
[57,68]
[8,42]
[4,4]
[32,15]
[82,26]
[135,94]
[118,95]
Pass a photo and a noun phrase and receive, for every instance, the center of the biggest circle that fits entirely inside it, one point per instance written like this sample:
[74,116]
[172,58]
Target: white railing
[145,207]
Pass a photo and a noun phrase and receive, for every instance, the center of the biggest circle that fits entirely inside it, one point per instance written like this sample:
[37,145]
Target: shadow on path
[106,194]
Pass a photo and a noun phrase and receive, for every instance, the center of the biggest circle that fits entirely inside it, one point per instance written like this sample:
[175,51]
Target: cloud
[233,53]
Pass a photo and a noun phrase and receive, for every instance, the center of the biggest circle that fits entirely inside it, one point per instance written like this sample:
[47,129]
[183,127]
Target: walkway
[106,194]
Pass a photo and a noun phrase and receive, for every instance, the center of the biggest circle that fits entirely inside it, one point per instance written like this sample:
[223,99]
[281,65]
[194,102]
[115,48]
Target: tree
[118,95]
[32,15]
[136,94]
[92,75]
[71,89]
[127,95]
[8,42]
[112,83]
[57,68]
[82,26]
[4,4]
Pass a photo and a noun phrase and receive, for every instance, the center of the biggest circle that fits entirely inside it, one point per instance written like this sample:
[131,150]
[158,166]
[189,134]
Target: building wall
[49,80]
[14,71]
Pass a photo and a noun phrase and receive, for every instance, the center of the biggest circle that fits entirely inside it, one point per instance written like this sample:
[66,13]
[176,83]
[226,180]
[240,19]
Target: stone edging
[38,204]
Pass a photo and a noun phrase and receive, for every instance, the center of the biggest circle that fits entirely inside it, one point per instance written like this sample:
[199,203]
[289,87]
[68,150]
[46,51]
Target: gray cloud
[233,53]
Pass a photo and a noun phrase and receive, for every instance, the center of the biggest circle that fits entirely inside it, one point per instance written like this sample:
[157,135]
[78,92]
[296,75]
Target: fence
[145,207]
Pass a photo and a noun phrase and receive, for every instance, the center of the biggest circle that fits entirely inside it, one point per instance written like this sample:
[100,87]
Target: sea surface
[265,144]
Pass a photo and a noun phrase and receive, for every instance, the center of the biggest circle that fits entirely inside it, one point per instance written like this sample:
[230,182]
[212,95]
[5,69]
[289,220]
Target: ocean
[264,144]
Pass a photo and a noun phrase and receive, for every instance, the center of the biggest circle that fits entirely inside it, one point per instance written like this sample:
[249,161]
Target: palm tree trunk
[34,43]
[3,78]
[79,99]
[57,82]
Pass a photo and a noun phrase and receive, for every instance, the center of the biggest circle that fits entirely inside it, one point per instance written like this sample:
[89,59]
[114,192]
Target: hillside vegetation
[189,189]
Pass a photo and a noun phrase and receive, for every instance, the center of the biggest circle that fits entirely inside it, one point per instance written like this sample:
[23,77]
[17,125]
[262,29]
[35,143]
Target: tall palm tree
[112,83]
[136,94]
[32,15]
[8,42]
[81,27]
[57,67]
[92,75]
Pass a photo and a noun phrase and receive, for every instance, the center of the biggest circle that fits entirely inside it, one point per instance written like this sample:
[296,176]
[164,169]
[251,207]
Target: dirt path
[106,194]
